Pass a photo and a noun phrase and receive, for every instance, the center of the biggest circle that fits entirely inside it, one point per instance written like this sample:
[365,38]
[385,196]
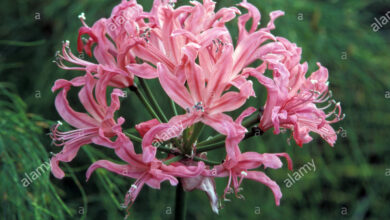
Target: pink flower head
[150,173]
[248,161]
[292,98]
[99,123]
[113,39]
[191,53]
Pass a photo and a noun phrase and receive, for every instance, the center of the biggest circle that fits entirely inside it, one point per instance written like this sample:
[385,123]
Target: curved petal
[246,49]
[273,16]
[115,104]
[231,101]
[234,133]
[180,170]
[124,170]
[246,113]
[143,70]
[263,178]
[76,119]
[67,154]
[253,13]
[148,150]
[252,160]
[144,127]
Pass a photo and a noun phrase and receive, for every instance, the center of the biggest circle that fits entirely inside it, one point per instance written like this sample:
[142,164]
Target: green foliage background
[350,181]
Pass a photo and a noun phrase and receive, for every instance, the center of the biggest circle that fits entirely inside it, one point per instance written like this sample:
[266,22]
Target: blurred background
[351,180]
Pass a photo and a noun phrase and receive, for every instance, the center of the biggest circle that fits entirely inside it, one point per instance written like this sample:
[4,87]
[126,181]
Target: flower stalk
[144,102]
[181,202]
[152,100]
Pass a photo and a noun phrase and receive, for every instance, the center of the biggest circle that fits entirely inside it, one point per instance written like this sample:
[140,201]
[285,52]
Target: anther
[82,16]
[199,106]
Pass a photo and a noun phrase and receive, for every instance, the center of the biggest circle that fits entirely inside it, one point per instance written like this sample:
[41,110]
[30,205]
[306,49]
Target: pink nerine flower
[150,173]
[292,98]
[247,161]
[99,124]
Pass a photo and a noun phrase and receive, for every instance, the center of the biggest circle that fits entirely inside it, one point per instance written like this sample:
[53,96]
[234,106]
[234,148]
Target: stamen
[240,196]
[218,44]
[145,35]
[324,97]
[82,16]
[198,106]
[327,106]
[133,187]
[171,3]
[289,141]
[315,92]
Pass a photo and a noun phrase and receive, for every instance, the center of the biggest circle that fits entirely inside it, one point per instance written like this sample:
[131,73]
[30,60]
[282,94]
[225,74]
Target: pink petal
[253,13]
[246,113]
[123,170]
[143,70]
[231,101]
[76,119]
[206,184]
[181,170]
[88,100]
[144,127]
[67,154]
[148,150]
[219,78]
[262,178]
[115,104]
[194,75]
[273,16]
[172,86]
[247,47]
[225,125]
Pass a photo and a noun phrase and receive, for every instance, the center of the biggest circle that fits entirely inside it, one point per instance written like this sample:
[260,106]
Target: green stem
[152,100]
[216,138]
[145,102]
[165,149]
[251,121]
[174,107]
[208,162]
[133,137]
[197,129]
[210,147]
[181,203]
[169,150]
[173,159]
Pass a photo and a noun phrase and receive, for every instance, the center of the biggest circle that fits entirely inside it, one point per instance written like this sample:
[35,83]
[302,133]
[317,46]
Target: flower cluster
[192,54]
